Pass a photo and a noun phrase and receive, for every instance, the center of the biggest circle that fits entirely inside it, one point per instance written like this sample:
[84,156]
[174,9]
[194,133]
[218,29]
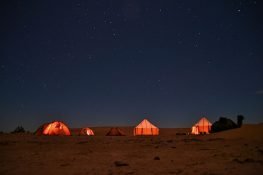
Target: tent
[115,132]
[86,131]
[145,128]
[202,127]
[53,128]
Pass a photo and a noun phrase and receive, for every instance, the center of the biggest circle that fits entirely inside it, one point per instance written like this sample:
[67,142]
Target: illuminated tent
[146,128]
[86,131]
[202,127]
[115,132]
[53,128]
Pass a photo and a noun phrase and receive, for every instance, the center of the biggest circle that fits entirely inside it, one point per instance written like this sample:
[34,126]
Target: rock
[156,158]
[120,163]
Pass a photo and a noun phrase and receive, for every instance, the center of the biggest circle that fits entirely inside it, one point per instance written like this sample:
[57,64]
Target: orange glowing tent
[202,127]
[86,131]
[53,128]
[145,128]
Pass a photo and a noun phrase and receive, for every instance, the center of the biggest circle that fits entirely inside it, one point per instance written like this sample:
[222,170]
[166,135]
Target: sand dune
[245,132]
[238,151]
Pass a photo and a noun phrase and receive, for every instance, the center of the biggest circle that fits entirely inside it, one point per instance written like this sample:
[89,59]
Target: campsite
[131,87]
[119,150]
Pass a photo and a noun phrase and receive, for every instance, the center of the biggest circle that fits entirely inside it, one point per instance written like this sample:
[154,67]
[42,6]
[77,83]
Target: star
[196,45]
[97,50]
[44,85]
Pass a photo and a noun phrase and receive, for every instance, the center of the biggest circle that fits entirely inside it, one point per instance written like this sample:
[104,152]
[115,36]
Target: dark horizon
[94,63]
[121,125]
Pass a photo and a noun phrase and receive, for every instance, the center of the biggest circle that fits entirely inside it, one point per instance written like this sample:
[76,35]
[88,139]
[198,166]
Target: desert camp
[235,151]
[131,87]
[129,154]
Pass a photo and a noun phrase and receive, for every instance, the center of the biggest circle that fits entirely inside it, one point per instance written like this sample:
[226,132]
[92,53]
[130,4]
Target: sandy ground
[238,151]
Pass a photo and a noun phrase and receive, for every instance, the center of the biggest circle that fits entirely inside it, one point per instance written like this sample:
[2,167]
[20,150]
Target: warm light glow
[146,128]
[202,127]
[56,128]
[86,131]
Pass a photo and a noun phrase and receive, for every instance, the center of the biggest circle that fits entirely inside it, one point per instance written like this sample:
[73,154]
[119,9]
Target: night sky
[104,63]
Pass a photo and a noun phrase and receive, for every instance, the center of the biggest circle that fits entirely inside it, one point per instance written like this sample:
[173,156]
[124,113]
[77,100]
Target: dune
[248,131]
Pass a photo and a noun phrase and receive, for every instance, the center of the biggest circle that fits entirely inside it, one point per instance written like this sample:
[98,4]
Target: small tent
[115,132]
[145,128]
[202,127]
[86,131]
[53,128]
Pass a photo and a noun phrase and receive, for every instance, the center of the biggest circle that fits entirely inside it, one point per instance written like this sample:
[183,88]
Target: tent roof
[203,121]
[48,128]
[145,124]
[115,132]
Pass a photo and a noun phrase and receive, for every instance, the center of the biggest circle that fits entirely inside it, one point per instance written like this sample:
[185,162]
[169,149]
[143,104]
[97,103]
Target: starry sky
[115,62]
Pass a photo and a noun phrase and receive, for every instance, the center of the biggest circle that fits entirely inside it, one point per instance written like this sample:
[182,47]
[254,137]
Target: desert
[82,80]
[235,151]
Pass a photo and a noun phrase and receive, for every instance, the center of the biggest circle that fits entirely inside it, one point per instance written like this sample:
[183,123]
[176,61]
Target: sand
[238,151]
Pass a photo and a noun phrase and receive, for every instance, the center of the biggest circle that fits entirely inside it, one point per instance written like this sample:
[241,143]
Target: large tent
[202,127]
[115,132]
[86,131]
[53,128]
[145,128]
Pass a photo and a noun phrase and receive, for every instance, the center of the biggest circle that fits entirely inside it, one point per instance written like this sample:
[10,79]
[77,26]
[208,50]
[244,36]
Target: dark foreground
[238,151]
